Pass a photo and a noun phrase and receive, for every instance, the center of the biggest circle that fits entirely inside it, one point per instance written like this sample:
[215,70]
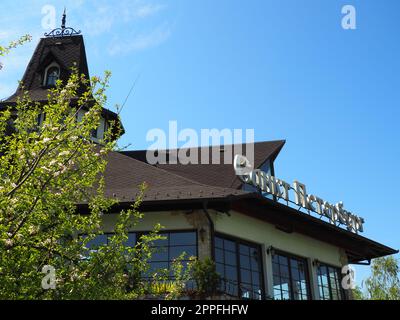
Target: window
[170,248]
[94,133]
[265,167]
[103,239]
[240,266]
[52,75]
[290,277]
[329,283]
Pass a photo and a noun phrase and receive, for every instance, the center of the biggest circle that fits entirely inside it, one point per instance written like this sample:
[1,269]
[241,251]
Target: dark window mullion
[329,282]
[239,276]
[291,291]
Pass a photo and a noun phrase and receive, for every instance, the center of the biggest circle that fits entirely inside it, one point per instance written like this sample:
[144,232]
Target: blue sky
[283,67]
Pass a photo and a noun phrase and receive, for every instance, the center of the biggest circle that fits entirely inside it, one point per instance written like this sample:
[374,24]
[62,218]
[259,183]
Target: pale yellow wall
[170,220]
[244,227]
[260,232]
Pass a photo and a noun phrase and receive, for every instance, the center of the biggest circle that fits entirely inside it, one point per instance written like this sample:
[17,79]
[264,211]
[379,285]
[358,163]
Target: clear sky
[283,67]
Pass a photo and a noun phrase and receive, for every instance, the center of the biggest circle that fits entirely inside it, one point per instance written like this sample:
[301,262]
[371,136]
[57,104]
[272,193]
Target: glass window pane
[244,261]
[245,276]
[157,266]
[284,271]
[285,284]
[277,280]
[220,269]
[161,242]
[283,260]
[131,242]
[285,295]
[175,252]
[294,264]
[230,258]
[219,243]
[231,273]
[277,294]
[244,249]
[160,254]
[219,255]
[255,259]
[97,242]
[229,245]
[256,278]
[275,269]
[182,238]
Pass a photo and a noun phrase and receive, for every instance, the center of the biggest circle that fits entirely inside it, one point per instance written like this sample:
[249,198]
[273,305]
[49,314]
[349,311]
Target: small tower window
[52,75]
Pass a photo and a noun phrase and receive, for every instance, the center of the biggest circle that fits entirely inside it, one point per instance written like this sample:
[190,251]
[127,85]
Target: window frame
[196,245]
[238,241]
[290,256]
[342,291]
[108,234]
[46,74]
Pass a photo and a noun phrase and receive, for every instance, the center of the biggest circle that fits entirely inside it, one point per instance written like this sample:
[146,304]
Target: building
[262,244]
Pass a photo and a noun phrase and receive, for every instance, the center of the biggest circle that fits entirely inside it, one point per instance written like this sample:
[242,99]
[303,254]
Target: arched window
[52,75]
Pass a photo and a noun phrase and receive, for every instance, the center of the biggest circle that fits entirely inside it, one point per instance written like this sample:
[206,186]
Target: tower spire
[64,18]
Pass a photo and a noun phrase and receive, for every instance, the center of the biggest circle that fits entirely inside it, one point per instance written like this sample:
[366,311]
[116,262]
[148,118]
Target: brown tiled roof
[222,174]
[124,174]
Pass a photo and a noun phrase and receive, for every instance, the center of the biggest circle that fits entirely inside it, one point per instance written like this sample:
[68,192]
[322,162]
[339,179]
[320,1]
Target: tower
[56,53]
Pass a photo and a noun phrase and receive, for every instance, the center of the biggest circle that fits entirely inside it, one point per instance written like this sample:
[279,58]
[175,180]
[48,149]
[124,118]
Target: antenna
[130,91]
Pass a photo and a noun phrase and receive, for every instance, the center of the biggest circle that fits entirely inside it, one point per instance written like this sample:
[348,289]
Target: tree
[5,50]
[384,282]
[46,170]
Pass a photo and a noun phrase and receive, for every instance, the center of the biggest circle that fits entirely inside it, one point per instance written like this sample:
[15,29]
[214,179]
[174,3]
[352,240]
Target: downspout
[212,228]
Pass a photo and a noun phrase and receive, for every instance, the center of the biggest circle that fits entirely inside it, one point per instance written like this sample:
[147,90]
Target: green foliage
[384,282]
[206,277]
[357,293]
[6,49]
[170,284]
[46,170]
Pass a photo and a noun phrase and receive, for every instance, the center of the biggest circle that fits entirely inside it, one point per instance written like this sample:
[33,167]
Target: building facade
[263,246]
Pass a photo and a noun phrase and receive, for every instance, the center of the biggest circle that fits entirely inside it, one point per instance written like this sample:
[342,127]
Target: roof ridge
[212,146]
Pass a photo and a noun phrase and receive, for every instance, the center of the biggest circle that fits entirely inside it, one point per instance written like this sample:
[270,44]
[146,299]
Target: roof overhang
[287,219]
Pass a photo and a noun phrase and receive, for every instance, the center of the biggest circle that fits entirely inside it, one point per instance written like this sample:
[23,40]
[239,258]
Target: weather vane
[63,31]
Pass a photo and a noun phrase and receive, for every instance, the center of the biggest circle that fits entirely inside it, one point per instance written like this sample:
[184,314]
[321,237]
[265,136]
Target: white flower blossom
[64,153]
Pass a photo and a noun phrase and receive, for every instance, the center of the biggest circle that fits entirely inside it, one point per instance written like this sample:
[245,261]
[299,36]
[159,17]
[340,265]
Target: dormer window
[52,74]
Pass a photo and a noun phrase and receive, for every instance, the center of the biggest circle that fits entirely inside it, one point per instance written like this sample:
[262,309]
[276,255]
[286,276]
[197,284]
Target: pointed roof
[66,51]
[64,46]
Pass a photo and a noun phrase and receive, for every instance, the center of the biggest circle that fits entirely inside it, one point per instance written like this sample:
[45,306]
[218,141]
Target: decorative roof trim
[63,31]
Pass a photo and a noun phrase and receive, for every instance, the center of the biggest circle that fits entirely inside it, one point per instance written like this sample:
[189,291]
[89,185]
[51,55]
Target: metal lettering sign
[263,181]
